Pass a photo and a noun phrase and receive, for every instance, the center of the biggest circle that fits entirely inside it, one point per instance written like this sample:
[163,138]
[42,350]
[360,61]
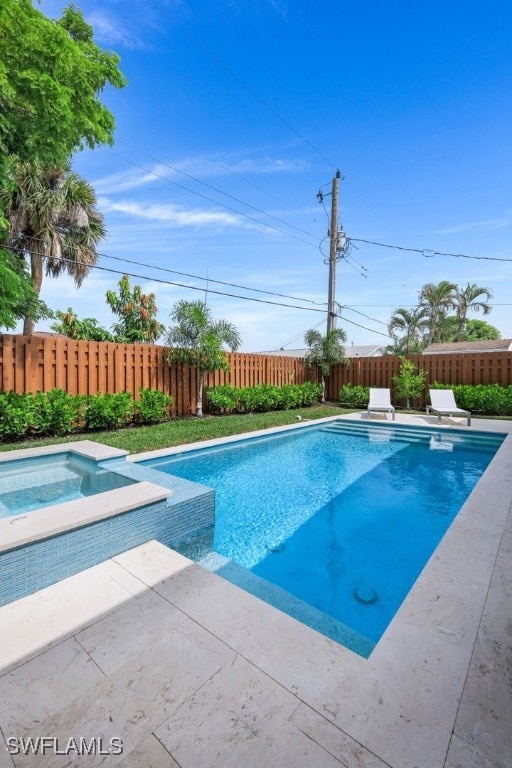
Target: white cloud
[477,226]
[109,29]
[122,182]
[171,214]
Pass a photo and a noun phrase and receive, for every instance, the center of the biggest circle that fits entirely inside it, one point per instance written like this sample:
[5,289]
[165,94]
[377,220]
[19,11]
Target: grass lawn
[182,431]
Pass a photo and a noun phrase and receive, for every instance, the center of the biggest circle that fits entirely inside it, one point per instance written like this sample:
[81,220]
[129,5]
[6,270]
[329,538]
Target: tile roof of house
[497,345]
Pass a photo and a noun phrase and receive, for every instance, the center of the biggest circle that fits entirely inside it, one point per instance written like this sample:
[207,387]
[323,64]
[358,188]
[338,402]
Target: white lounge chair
[380,400]
[443,404]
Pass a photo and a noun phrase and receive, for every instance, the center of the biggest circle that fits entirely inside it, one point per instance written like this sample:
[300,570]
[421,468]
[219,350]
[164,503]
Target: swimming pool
[333,524]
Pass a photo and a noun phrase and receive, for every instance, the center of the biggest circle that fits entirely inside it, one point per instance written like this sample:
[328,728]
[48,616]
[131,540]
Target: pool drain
[365,595]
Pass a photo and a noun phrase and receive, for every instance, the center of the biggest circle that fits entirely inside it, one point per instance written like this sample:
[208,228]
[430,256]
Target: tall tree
[325,351]
[136,312]
[51,75]
[407,329]
[53,221]
[470,299]
[437,300]
[197,340]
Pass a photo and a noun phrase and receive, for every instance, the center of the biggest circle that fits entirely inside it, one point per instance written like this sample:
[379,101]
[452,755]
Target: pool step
[379,433]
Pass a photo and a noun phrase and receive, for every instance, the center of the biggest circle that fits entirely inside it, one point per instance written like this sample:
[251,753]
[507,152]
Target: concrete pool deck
[190,671]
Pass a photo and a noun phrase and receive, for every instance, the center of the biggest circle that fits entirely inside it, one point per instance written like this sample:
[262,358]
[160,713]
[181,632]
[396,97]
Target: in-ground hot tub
[65,508]
[34,483]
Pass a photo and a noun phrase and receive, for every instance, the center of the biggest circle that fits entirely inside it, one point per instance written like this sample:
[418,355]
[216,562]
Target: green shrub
[356,396]
[485,399]
[152,406]
[55,412]
[222,399]
[310,393]
[108,411]
[16,415]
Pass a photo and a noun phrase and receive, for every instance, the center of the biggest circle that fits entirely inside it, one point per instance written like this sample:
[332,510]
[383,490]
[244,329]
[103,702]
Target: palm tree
[412,324]
[325,351]
[437,300]
[198,340]
[467,299]
[54,222]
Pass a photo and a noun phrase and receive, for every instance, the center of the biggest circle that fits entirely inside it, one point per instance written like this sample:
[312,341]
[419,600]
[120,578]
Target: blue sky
[263,101]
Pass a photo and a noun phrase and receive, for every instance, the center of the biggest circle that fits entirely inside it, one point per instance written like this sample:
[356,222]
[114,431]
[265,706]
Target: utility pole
[333,254]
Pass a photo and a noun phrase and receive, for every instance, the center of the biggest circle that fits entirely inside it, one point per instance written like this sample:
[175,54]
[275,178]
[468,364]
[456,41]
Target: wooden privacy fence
[458,368]
[32,363]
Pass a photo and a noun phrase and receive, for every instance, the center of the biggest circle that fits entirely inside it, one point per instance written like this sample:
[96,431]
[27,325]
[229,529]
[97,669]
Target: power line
[221,165]
[211,200]
[352,322]
[298,336]
[427,252]
[125,260]
[169,282]
[253,93]
[195,288]
[215,189]
[347,306]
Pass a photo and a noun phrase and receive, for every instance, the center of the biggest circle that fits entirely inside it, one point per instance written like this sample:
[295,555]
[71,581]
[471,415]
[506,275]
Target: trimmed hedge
[262,397]
[484,399]
[58,413]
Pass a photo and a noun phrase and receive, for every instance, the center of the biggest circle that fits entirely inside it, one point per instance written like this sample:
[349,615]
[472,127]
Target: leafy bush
[356,396]
[108,411]
[55,412]
[222,399]
[15,415]
[486,399]
[310,393]
[153,406]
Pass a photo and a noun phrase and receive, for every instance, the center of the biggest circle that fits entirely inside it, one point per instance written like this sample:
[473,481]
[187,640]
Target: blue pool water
[333,523]
[28,484]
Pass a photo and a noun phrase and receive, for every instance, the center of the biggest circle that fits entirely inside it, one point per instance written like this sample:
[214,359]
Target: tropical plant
[137,313]
[407,328]
[54,222]
[470,299]
[436,301]
[196,339]
[88,329]
[325,351]
[408,384]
